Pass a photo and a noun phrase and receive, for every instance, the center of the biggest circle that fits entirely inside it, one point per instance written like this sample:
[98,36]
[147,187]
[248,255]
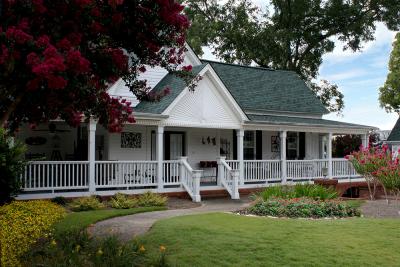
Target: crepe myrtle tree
[59,57]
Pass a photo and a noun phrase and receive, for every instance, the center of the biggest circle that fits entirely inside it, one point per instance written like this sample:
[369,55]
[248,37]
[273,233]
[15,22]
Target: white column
[159,155]
[329,152]
[220,170]
[92,154]
[365,140]
[240,136]
[235,188]
[196,185]
[283,135]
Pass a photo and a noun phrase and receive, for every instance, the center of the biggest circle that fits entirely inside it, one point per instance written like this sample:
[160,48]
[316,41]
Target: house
[393,139]
[242,127]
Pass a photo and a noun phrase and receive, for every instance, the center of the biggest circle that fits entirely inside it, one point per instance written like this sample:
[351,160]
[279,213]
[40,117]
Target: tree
[59,57]
[11,166]
[343,145]
[389,94]
[289,34]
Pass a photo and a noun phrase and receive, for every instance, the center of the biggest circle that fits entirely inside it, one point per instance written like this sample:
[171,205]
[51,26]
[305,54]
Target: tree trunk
[11,108]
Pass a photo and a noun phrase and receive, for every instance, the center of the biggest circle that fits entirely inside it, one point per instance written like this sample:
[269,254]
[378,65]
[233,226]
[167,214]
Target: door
[174,145]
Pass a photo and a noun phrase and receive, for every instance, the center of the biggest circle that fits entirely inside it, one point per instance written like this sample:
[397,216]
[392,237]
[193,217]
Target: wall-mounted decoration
[275,143]
[35,141]
[209,140]
[131,140]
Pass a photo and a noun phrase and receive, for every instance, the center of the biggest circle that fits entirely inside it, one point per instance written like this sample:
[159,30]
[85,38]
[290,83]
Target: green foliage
[76,248]
[86,203]
[287,34]
[12,164]
[150,199]
[60,201]
[299,190]
[389,94]
[123,201]
[303,208]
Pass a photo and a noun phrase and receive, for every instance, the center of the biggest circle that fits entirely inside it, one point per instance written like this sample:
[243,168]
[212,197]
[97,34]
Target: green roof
[395,133]
[176,85]
[263,89]
[270,119]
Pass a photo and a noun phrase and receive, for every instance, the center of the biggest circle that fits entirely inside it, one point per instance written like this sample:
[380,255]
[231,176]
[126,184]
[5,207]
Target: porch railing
[342,168]
[259,170]
[306,169]
[229,178]
[190,180]
[112,174]
[171,172]
[53,175]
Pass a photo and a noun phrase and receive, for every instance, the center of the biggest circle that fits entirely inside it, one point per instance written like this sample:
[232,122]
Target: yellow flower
[142,249]
[53,243]
[99,252]
[77,248]
[162,248]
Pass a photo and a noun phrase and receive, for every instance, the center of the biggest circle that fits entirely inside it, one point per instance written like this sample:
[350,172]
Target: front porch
[175,159]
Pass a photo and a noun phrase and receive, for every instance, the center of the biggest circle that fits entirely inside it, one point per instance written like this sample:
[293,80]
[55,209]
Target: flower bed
[22,223]
[302,208]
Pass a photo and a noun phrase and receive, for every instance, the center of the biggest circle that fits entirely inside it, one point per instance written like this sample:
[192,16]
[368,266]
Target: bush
[122,201]
[150,199]
[86,203]
[22,223]
[303,208]
[60,201]
[76,248]
[12,164]
[299,190]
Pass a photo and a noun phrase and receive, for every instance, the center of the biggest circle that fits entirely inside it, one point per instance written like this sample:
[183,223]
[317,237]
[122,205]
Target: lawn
[82,219]
[221,239]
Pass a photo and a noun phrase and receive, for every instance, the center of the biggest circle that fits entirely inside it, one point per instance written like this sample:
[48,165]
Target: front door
[174,145]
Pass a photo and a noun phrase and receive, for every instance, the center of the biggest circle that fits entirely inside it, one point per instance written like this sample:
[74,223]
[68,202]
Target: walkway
[127,227]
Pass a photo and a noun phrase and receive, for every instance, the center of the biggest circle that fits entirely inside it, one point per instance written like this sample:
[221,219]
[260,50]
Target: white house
[242,127]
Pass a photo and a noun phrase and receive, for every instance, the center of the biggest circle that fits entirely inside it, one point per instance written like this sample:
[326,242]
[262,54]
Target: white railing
[55,175]
[111,174]
[190,180]
[343,168]
[171,172]
[262,170]
[234,164]
[307,169]
[229,178]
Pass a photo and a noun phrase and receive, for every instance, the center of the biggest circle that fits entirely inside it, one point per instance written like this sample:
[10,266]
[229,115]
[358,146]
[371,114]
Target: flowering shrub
[86,203]
[122,201]
[378,167]
[58,58]
[303,208]
[22,223]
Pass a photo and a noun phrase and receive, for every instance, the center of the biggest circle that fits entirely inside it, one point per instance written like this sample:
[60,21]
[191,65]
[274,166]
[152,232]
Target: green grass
[219,239]
[80,220]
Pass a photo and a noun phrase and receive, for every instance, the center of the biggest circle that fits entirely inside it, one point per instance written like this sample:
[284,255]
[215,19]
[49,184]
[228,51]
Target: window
[249,145]
[292,146]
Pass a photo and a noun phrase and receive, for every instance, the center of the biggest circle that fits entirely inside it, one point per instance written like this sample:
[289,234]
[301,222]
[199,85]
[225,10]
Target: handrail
[229,178]
[190,180]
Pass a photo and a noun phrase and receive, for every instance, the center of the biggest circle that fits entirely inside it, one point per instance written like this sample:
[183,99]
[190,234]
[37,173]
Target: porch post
[240,136]
[365,140]
[92,154]
[159,153]
[283,135]
[330,135]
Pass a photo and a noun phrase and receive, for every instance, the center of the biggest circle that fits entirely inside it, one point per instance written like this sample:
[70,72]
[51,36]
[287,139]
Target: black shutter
[258,144]
[167,146]
[234,142]
[302,145]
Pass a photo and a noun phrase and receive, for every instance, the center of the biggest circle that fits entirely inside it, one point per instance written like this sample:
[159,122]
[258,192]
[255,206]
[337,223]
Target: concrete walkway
[127,227]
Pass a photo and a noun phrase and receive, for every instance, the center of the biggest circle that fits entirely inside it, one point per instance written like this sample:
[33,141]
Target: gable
[209,105]
[394,135]
[261,89]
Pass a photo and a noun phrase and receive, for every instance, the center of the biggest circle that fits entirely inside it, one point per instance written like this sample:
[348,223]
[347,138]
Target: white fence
[171,172]
[342,168]
[307,169]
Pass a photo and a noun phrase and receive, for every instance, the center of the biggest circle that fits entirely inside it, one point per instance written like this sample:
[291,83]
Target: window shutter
[258,144]
[302,145]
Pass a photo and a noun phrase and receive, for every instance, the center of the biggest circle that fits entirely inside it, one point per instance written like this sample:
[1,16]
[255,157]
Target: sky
[359,76]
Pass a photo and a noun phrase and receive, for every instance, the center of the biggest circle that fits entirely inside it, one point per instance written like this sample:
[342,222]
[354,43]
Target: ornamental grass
[22,224]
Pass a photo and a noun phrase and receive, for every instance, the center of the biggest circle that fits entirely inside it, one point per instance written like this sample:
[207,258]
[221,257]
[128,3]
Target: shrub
[12,164]
[22,223]
[86,203]
[149,199]
[76,248]
[122,201]
[303,208]
[60,201]
[299,190]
